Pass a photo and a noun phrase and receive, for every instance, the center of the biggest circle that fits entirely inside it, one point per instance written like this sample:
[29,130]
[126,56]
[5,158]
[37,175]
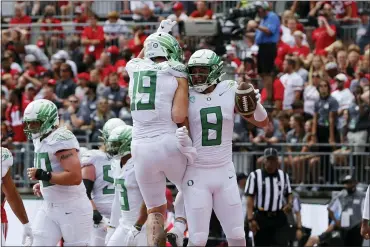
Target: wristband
[138,227]
[43,175]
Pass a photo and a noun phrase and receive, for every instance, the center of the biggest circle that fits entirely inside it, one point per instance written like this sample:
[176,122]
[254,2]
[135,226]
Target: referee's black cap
[270,153]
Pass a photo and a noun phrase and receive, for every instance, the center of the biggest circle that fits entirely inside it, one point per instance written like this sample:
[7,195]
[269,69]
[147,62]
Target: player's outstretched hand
[131,237]
[36,190]
[182,135]
[27,238]
[166,26]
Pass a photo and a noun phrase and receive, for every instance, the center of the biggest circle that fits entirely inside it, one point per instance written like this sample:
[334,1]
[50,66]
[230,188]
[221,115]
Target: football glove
[166,26]
[182,135]
[27,235]
[185,144]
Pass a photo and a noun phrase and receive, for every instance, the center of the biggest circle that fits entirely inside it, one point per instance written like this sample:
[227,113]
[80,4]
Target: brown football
[245,99]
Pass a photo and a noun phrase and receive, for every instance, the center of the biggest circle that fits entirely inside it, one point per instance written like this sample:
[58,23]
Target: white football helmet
[43,111]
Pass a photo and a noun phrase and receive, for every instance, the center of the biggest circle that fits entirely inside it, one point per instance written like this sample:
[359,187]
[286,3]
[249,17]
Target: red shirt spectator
[80,19]
[321,38]
[278,91]
[299,49]
[303,50]
[20,17]
[28,95]
[202,11]
[52,20]
[282,50]
[137,43]
[120,63]
[14,117]
[341,8]
[93,38]
[49,19]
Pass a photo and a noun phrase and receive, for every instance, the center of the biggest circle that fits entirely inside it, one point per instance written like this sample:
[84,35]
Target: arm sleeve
[115,213]
[366,211]
[250,187]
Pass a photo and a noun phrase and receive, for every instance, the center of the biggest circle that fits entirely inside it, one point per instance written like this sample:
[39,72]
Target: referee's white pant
[207,188]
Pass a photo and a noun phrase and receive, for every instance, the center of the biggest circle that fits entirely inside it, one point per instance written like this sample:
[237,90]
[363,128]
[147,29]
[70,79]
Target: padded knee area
[199,239]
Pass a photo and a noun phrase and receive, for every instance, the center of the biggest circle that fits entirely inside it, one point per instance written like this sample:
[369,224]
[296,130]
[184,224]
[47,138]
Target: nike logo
[68,213]
[231,177]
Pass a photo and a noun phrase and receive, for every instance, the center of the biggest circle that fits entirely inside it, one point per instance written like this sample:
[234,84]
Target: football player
[66,211]
[98,180]
[128,200]
[210,182]
[13,198]
[159,105]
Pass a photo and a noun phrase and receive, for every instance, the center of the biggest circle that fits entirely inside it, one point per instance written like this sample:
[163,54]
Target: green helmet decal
[163,44]
[119,141]
[43,111]
[206,58]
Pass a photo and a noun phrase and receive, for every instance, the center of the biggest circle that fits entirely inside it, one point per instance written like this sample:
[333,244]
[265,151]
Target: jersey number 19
[141,89]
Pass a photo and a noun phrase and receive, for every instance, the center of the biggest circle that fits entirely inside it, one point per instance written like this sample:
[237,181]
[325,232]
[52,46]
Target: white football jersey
[6,161]
[151,90]
[60,139]
[211,122]
[129,192]
[103,191]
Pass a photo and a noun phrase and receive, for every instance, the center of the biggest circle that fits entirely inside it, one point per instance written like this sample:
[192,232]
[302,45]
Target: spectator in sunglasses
[65,86]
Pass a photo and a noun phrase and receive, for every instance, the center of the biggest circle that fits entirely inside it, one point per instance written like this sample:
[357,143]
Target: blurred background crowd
[316,90]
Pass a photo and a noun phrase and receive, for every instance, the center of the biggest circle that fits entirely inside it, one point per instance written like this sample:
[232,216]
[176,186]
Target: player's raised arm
[248,106]
[181,102]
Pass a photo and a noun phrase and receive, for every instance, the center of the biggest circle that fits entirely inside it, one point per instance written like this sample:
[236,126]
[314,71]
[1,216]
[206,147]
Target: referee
[266,189]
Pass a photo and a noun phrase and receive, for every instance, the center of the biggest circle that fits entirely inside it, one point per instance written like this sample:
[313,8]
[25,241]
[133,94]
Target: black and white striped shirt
[268,190]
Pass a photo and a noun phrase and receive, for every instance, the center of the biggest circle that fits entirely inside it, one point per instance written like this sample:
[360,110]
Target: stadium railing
[347,32]
[327,172]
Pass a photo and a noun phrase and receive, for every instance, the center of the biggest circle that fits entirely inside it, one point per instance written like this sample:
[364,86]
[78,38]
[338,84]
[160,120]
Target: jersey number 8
[141,89]
[207,126]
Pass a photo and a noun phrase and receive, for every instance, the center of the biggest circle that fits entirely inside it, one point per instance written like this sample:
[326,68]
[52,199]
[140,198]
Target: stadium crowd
[319,91]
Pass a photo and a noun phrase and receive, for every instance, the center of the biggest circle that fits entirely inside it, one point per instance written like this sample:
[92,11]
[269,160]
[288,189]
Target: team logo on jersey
[192,99]
[190,182]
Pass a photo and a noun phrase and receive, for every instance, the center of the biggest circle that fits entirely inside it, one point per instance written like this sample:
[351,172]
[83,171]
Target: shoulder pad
[62,134]
[178,66]
[133,63]
[63,139]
